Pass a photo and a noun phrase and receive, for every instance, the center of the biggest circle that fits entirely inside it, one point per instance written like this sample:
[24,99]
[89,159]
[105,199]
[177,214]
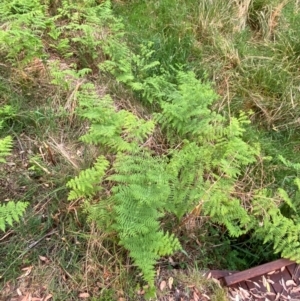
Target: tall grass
[248,48]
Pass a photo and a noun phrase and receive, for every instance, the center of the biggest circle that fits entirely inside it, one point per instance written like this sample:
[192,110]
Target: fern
[146,187]
[147,248]
[95,27]
[119,131]
[81,28]
[187,168]
[207,157]
[274,227]
[140,197]
[27,22]
[186,111]
[5,148]
[6,142]
[87,183]
[11,212]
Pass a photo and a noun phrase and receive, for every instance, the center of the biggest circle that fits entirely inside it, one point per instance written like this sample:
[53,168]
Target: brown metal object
[257,271]
[274,281]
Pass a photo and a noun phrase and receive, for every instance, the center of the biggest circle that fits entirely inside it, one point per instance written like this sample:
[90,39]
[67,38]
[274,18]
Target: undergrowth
[169,127]
[10,211]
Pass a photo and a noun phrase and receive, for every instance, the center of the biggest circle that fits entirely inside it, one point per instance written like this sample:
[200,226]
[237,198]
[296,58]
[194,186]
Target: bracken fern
[10,211]
[207,156]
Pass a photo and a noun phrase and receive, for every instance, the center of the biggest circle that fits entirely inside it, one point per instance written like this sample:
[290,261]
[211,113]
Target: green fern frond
[288,163]
[11,212]
[118,130]
[273,227]
[5,148]
[147,248]
[87,183]
[6,112]
[140,196]
[284,195]
[187,109]
[224,209]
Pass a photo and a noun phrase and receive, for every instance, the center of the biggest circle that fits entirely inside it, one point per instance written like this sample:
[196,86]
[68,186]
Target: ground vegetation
[144,142]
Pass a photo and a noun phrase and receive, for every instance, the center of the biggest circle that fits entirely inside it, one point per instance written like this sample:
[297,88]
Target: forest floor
[248,50]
